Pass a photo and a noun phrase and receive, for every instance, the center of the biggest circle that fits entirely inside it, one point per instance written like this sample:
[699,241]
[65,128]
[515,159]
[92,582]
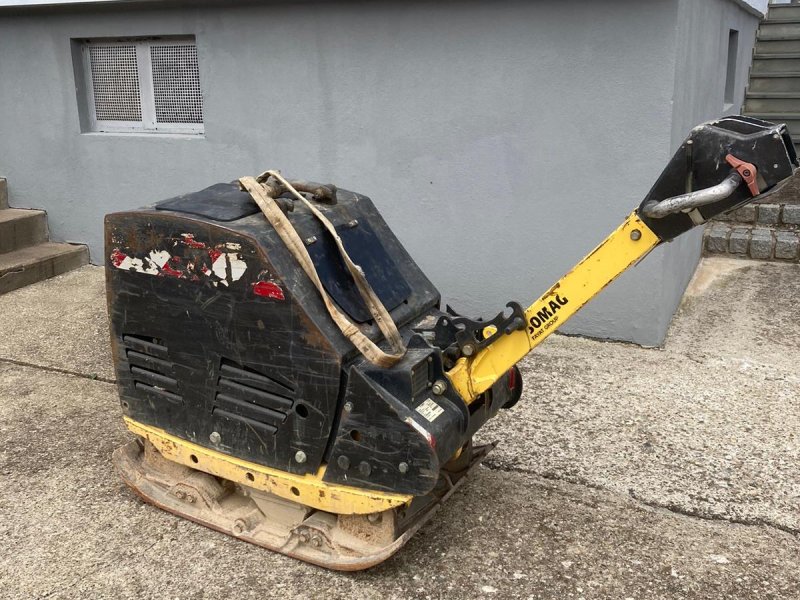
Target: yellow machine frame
[307,489]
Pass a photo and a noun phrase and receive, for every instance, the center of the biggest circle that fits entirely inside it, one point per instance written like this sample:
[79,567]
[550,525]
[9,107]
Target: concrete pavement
[708,425]
[623,473]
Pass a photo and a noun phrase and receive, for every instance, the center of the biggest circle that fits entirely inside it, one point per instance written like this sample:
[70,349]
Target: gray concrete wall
[502,141]
[699,96]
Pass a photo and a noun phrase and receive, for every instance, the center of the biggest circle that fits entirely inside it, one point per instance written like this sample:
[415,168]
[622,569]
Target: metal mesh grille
[115,83]
[176,84]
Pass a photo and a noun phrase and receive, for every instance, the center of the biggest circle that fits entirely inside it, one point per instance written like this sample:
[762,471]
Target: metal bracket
[469,334]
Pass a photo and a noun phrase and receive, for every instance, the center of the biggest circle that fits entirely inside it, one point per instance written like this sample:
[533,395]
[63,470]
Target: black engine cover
[220,339]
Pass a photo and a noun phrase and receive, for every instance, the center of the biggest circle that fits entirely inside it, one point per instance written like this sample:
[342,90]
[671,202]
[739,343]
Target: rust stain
[552,291]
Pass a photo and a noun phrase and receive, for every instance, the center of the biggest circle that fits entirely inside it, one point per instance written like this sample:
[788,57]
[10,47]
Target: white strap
[295,245]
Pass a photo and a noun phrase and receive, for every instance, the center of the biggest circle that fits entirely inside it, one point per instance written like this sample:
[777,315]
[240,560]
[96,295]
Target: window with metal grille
[143,85]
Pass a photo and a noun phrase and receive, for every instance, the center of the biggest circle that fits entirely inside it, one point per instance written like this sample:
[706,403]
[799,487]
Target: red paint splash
[268,289]
[214,254]
[167,270]
[188,240]
[117,257]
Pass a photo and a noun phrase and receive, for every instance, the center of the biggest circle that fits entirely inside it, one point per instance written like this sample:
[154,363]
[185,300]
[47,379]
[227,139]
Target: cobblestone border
[753,241]
[765,214]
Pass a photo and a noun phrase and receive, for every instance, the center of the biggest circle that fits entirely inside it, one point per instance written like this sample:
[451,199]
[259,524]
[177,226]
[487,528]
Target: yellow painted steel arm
[630,242]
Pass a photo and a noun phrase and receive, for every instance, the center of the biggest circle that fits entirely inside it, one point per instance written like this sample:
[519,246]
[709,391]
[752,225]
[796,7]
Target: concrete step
[20,228]
[3,193]
[785,62]
[771,103]
[775,82]
[788,29]
[791,120]
[783,20]
[36,263]
[777,46]
[778,12]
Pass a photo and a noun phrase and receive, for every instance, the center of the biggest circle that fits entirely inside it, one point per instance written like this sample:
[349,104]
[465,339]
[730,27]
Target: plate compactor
[292,380]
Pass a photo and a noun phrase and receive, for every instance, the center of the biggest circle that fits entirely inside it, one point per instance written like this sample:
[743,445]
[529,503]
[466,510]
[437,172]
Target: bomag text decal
[546,316]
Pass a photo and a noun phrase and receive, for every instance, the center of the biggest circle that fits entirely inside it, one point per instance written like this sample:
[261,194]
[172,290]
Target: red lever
[747,171]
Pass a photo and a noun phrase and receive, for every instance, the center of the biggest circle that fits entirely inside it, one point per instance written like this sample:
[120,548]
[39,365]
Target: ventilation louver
[176,83]
[150,368]
[420,376]
[115,83]
[245,396]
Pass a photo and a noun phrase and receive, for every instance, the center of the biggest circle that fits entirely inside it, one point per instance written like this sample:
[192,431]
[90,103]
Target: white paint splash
[227,266]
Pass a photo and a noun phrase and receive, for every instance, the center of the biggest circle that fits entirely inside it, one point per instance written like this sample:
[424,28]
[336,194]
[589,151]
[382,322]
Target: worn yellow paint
[619,251]
[309,490]
[489,331]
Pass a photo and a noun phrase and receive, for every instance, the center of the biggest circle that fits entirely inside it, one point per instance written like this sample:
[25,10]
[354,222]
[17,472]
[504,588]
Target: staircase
[26,253]
[774,90]
[769,229]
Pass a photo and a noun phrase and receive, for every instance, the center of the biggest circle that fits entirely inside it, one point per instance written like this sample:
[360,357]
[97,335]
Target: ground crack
[669,507]
[679,510]
[22,363]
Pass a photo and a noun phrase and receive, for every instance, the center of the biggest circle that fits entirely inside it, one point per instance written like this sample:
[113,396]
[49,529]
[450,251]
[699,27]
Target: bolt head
[348,407]
[636,235]
[364,468]
[316,541]
[239,526]
[439,387]
[180,494]
[300,456]
[343,462]
[468,350]
[190,498]
[403,467]
[215,437]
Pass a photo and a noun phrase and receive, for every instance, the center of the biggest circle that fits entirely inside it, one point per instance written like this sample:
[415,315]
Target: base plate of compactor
[341,542]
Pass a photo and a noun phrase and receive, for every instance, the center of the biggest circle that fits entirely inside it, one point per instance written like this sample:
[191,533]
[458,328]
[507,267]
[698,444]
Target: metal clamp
[469,334]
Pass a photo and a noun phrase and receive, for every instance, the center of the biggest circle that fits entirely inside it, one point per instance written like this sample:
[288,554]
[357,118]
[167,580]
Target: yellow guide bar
[630,242]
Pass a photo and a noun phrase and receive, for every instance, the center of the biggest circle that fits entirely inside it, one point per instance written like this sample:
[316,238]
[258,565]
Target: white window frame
[144,65]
